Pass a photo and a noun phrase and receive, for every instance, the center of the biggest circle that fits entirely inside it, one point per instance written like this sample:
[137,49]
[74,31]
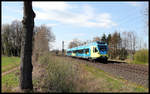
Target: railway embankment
[135,73]
[65,74]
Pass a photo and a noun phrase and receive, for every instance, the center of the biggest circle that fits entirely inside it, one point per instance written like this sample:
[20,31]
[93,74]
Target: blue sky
[82,20]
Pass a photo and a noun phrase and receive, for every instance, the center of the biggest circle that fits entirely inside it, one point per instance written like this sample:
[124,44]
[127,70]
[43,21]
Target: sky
[82,20]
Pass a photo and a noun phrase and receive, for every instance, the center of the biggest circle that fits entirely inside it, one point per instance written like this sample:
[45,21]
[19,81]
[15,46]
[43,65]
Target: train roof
[88,45]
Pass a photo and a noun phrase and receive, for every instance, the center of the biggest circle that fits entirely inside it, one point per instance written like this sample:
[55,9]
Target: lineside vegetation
[141,56]
[66,75]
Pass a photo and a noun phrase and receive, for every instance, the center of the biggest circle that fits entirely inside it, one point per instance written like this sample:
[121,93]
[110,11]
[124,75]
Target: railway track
[132,68]
[138,74]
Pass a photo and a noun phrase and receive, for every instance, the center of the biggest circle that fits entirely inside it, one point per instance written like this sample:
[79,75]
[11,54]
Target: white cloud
[46,6]
[64,13]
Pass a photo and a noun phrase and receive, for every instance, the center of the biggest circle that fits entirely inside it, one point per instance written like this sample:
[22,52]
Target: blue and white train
[93,51]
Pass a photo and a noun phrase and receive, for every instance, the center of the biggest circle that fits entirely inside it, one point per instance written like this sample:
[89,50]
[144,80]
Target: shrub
[60,75]
[141,56]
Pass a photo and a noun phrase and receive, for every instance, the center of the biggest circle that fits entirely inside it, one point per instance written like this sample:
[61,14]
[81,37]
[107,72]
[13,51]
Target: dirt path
[11,70]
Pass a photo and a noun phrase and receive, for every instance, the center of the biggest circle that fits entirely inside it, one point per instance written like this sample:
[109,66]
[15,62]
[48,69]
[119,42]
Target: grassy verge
[9,63]
[10,81]
[108,83]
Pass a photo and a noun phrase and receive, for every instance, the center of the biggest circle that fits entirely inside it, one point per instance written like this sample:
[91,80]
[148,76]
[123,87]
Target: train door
[94,52]
[73,53]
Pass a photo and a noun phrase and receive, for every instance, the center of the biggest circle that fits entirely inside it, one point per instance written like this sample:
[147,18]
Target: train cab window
[95,50]
[102,48]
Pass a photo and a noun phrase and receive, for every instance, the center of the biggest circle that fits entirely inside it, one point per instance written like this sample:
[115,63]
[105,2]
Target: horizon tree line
[12,37]
[120,45]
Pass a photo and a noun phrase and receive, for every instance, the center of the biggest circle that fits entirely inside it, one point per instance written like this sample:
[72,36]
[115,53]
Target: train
[93,51]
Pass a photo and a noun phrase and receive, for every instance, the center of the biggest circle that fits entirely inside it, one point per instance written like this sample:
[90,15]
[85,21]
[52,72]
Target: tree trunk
[26,47]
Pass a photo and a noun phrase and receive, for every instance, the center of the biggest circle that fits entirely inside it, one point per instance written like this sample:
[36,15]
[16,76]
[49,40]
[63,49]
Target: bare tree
[134,42]
[115,45]
[6,39]
[17,33]
[140,43]
[129,42]
[96,39]
[125,40]
[74,43]
[42,39]
[26,47]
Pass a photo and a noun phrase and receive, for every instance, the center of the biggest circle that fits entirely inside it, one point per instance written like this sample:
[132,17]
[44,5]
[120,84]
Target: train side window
[81,51]
[86,51]
[95,50]
[73,51]
[69,52]
[76,51]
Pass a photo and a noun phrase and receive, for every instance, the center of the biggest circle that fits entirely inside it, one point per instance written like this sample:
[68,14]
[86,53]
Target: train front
[103,51]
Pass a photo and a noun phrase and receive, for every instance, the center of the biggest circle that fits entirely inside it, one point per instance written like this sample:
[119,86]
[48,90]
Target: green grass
[109,83]
[10,81]
[9,63]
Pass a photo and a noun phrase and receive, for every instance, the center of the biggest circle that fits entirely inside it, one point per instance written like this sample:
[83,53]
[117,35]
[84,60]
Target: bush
[141,56]
[60,75]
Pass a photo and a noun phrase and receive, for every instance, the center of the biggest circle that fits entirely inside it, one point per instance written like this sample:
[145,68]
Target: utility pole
[26,47]
[62,47]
